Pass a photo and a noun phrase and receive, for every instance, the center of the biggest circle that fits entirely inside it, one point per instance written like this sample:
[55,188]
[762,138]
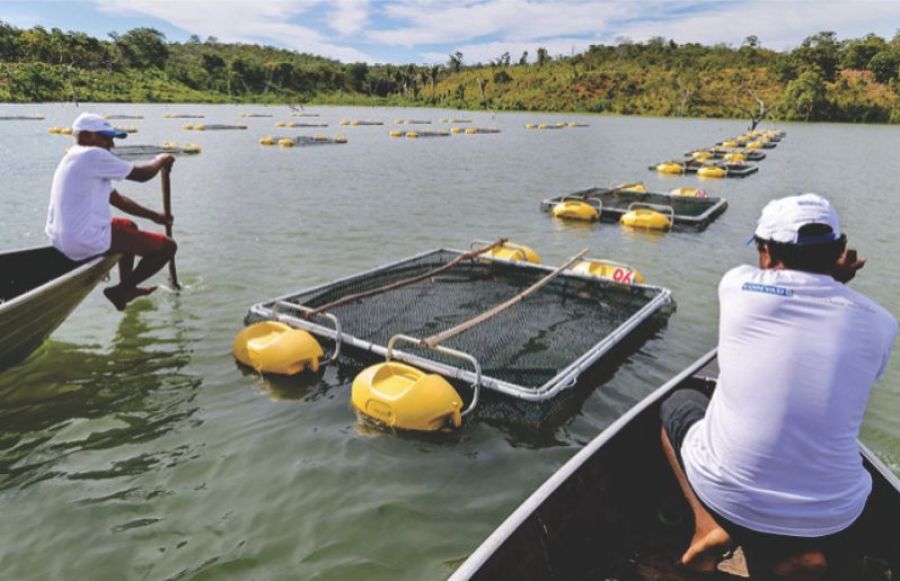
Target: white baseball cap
[96,124]
[781,220]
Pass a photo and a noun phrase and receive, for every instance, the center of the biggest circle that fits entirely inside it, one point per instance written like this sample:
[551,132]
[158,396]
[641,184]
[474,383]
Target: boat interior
[25,270]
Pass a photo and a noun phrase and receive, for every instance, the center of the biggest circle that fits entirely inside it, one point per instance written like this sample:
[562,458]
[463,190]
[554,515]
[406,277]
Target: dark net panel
[528,344]
[682,205]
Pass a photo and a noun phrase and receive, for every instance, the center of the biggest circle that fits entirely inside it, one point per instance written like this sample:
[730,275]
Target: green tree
[820,50]
[858,53]
[143,48]
[884,65]
[456,62]
[543,57]
[804,98]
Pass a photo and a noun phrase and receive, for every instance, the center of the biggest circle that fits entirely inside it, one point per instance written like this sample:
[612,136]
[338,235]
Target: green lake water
[132,445]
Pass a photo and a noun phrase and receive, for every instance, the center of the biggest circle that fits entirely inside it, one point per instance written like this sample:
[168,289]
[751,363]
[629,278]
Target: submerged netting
[683,205]
[527,345]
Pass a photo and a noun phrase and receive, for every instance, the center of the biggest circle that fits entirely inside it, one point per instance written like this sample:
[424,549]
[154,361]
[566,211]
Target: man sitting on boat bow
[771,461]
[79,222]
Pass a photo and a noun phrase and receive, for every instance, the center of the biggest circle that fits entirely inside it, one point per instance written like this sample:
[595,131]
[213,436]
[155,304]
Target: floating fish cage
[123,116]
[302,140]
[531,351]
[733,170]
[719,153]
[306,124]
[255,115]
[211,127]
[614,203]
[182,116]
[21,118]
[359,122]
[137,152]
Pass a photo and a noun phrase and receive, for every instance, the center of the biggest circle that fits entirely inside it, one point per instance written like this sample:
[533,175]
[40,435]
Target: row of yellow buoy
[288,142]
[355,122]
[202,127]
[417,134]
[186,148]
[642,218]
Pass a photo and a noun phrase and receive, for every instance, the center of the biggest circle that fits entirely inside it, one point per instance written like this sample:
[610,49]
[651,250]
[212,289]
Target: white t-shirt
[798,355]
[78,220]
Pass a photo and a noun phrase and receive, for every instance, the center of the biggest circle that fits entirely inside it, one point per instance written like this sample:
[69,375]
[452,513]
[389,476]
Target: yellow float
[648,216]
[340,139]
[701,155]
[730,143]
[344,122]
[514,252]
[609,269]
[267,140]
[456,130]
[639,187]
[285,142]
[281,124]
[55,130]
[753,145]
[191,148]
[734,157]
[395,133]
[403,397]
[412,134]
[273,347]
[188,126]
[169,145]
[670,168]
[712,171]
[576,210]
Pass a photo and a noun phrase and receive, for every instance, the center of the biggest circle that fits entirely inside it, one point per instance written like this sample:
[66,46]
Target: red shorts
[127,239]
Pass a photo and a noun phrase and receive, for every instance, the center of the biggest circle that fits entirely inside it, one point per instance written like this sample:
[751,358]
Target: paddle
[167,209]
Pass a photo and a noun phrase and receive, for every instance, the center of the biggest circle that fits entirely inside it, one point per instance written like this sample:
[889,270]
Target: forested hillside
[824,78]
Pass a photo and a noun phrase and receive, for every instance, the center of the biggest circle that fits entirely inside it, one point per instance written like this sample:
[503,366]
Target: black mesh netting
[683,205]
[528,344]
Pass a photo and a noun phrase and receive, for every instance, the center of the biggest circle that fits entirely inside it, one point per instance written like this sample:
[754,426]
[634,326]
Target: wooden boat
[602,515]
[39,287]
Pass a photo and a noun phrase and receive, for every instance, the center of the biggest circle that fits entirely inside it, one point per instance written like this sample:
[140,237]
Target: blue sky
[426,31]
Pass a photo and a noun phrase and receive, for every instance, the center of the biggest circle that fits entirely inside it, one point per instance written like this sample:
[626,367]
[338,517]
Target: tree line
[824,78]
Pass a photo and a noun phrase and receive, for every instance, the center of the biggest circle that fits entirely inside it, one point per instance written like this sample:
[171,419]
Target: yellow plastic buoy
[201,127]
[576,210]
[689,192]
[734,157]
[610,270]
[515,252]
[530,126]
[471,130]
[645,219]
[670,168]
[65,131]
[191,148]
[273,347]
[188,126]
[285,142]
[635,188]
[344,122]
[169,145]
[280,123]
[267,140]
[730,143]
[412,134]
[701,155]
[403,397]
[395,133]
[712,171]
[456,130]
[758,144]
[55,130]
[340,139]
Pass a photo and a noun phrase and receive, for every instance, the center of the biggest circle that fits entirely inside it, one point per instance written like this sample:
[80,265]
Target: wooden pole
[405,282]
[167,209]
[453,331]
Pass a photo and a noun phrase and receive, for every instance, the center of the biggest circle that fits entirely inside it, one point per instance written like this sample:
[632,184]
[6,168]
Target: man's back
[798,354]
[78,219]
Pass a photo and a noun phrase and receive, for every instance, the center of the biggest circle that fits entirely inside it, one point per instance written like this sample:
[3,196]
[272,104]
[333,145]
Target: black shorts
[679,412]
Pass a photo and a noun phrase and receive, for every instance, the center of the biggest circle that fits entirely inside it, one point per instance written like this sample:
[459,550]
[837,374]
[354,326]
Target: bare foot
[804,566]
[120,297]
[706,548]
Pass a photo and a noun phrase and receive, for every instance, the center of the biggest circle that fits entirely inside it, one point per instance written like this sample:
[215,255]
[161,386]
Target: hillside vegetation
[823,79]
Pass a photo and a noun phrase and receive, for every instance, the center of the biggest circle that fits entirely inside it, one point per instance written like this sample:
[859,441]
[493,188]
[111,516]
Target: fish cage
[719,152]
[688,211]
[734,170]
[531,351]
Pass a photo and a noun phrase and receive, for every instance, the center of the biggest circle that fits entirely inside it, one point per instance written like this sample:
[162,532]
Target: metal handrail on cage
[308,312]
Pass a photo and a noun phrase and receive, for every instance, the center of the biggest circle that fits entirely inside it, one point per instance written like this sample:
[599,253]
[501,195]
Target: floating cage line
[210,127]
[697,212]
[454,120]
[21,117]
[182,116]
[256,115]
[300,124]
[304,114]
[302,140]
[719,152]
[573,313]
[731,170]
[359,122]
[417,134]
[476,130]
[122,116]
[412,122]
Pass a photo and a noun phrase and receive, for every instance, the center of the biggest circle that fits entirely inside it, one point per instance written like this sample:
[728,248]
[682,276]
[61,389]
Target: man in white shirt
[79,223]
[771,461]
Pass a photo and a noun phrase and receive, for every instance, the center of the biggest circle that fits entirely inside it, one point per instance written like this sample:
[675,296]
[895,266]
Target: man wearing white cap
[79,222]
[771,461]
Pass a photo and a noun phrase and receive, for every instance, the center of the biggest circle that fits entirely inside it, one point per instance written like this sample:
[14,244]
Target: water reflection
[68,398]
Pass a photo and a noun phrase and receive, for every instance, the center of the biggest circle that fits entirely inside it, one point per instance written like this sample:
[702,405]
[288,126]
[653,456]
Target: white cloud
[349,16]
[261,21]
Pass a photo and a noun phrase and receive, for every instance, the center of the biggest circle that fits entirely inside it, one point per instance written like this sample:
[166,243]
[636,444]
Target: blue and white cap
[781,220]
[96,124]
